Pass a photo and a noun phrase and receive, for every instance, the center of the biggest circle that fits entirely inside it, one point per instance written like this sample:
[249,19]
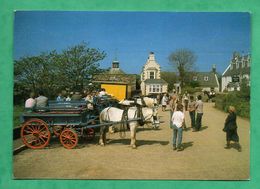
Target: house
[116,82]
[151,82]
[207,80]
[237,71]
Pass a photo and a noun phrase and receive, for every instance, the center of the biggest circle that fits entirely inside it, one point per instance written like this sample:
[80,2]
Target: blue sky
[130,36]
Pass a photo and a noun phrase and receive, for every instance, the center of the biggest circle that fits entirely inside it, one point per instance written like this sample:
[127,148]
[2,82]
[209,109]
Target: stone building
[207,80]
[237,71]
[151,82]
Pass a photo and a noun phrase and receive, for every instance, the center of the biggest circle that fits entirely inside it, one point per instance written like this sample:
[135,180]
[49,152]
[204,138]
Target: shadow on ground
[187,144]
[203,128]
[126,141]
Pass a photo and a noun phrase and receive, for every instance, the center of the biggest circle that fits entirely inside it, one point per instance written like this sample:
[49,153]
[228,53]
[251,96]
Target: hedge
[242,105]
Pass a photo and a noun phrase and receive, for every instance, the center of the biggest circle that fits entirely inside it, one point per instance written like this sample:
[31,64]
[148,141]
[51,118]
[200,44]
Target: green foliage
[183,60]
[17,112]
[236,99]
[52,72]
[170,78]
[191,90]
[194,84]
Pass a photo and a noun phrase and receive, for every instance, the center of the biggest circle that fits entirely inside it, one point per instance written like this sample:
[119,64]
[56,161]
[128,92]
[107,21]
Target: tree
[77,64]
[52,72]
[183,60]
[170,78]
[35,72]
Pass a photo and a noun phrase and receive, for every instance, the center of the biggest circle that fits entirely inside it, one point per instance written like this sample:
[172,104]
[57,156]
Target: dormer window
[152,76]
[195,78]
[206,78]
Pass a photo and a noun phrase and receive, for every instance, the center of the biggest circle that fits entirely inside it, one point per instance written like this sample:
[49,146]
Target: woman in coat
[231,128]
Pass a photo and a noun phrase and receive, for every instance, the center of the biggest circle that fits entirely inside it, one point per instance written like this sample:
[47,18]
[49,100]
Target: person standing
[164,102]
[41,100]
[230,128]
[178,120]
[186,100]
[172,104]
[199,109]
[191,109]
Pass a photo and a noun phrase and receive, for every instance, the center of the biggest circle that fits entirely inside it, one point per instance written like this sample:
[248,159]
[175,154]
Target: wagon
[66,120]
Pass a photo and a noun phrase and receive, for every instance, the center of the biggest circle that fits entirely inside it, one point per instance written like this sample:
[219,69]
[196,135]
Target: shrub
[236,99]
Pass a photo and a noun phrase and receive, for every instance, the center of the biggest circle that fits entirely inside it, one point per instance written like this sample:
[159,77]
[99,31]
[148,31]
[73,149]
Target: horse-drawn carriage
[66,120]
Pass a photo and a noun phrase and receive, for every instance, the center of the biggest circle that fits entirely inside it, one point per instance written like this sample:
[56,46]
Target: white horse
[112,114]
[149,102]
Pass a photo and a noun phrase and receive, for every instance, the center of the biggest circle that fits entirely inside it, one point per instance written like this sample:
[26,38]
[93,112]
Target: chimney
[151,56]
[214,70]
[115,64]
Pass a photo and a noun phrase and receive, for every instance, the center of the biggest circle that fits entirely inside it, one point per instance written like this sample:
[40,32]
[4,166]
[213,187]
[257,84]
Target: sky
[129,37]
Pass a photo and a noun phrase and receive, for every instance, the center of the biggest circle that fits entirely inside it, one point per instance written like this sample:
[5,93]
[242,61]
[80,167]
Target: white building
[151,82]
[237,70]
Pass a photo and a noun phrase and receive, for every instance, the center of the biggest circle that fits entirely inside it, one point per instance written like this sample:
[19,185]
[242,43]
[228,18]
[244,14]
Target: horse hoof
[134,147]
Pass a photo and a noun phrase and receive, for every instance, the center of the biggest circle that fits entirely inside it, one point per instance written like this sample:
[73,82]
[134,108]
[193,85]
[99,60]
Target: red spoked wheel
[57,129]
[69,138]
[35,134]
[90,133]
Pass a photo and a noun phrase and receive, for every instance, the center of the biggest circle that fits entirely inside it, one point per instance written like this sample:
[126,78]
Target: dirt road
[204,156]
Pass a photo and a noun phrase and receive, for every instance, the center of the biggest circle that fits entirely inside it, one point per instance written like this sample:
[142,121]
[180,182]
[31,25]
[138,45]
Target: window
[206,78]
[155,88]
[195,78]
[152,75]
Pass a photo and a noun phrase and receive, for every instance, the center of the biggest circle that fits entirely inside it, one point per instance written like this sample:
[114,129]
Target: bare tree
[183,60]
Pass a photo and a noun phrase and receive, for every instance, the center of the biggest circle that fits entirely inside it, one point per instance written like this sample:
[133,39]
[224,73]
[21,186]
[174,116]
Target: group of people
[33,101]
[195,109]
[42,101]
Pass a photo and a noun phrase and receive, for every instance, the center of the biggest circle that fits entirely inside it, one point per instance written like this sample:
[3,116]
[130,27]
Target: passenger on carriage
[41,100]
[76,96]
[102,92]
[88,98]
[30,102]
[60,98]
[68,97]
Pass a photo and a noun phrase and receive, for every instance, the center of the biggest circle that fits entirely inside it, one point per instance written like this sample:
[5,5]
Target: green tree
[51,72]
[170,78]
[77,64]
[35,72]
[183,60]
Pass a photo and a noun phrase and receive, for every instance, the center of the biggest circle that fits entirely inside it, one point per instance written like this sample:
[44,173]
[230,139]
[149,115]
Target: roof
[115,71]
[239,60]
[236,71]
[212,79]
[155,81]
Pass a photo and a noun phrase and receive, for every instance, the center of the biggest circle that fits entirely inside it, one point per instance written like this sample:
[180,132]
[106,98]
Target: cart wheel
[69,138]
[90,134]
[57,129]
[35,134]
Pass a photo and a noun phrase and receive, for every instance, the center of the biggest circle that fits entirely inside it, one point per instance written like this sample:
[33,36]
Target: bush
[240,102]
[18,110]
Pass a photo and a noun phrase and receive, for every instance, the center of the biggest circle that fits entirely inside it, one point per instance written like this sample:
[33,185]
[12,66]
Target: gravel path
[203,158]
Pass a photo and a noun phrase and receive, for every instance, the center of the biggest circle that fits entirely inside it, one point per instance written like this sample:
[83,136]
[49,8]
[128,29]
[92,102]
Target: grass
[18,110]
